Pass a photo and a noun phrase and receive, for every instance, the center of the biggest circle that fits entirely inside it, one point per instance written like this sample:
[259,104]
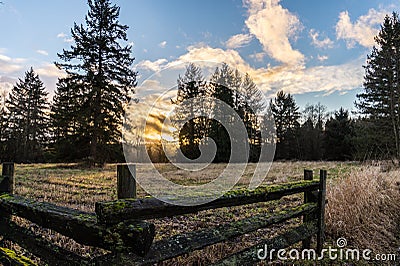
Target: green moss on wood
[5,196]
[86,217]
[11,255]
[115,211]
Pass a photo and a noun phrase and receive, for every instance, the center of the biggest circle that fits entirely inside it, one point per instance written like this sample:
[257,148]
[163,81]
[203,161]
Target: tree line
[84,120]
[237,91]
[373,132]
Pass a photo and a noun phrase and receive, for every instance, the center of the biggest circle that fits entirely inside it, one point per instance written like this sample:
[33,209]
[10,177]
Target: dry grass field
[363,200]
[71,186]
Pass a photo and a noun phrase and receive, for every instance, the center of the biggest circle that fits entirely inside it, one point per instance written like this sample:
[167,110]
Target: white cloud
[325,43]
[10,65]
[6,84]
[216,55]
[61,35]
[13,68]
[152,66]
[65,37]
[273,26]
[290,78]
[322,58]
[326,79]
[163,44]
[238,41]
[50,70]
[361,31]
[5,58]
[42,52]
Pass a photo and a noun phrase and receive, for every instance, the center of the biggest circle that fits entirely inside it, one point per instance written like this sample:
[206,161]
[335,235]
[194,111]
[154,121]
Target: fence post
[7,178]
[6,186]
[126,182]
[321,208]
[308,197]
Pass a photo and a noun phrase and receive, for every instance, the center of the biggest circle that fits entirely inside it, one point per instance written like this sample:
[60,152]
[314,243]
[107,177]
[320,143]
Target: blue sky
[312,49]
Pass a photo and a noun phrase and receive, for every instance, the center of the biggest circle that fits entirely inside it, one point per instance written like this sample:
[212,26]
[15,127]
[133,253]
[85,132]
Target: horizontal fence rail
[120,226]
[181,244]
[136,235]
[150,208]
[285,240]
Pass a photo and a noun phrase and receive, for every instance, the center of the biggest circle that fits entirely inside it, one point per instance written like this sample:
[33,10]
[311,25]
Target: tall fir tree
[221,89]
[231,87]
[71,138]
[252,106]
[366,142]
[190,86]
[380,100]
[27,119]
[99,71]
[286,114]
[3,126]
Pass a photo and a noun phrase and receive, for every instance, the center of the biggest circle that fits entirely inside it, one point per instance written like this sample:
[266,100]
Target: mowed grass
[80,188]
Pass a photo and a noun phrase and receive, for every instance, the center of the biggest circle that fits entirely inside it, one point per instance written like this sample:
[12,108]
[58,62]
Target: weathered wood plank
[38,246]
[120,210]
[7,182]
[7,178]
[9,257]
[321,210]
[249,256]
[136,236]
[185,243]
[308,197]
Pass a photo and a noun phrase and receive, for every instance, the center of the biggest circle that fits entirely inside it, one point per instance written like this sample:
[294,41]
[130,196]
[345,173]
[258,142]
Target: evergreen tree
[286,115]
[338,137]
[380,100]
[71,138]
[220,88]
[190,86]
[309,144]
[100,72]
[252,108]
[27,119]
[3,127]
[229,86]
[366,142]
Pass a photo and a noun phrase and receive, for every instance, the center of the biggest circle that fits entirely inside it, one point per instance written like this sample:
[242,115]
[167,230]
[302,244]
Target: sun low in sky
[312,49]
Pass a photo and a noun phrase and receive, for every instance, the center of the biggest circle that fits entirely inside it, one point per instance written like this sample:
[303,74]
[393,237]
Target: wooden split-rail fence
[122,226]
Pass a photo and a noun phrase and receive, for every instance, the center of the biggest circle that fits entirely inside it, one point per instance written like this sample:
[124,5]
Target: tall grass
[364,207]
[364,204]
